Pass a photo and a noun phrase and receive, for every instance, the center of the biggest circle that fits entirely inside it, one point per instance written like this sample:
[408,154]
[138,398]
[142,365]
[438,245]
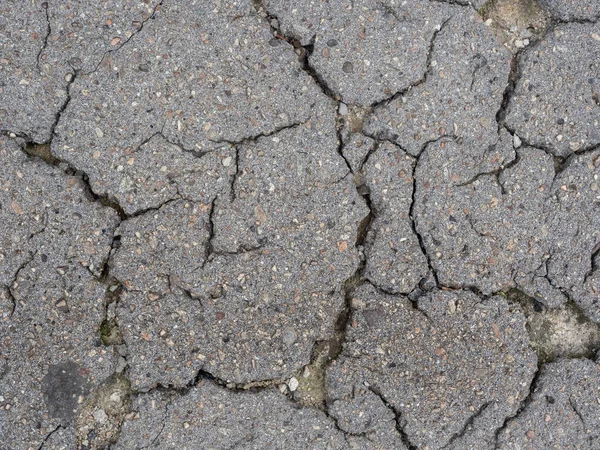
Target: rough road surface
[308,224]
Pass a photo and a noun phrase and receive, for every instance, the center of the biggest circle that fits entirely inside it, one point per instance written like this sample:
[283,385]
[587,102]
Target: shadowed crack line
[470,421]
[303,51]
[496,173]
[256,137]
[335,344]
[43,152]
[48,437]
[45,6]
[561,163]
[413,302]
[235,176]
[10,287]
[580,20]
[456,3]
[340,146]
[140,28]
[514,77]
[371,151]
[62,108]
[209,249]
[423,79]
[398,418]
[524,404]
[162,428]
[205,376]
[594,266]
[575,410]
[413,221]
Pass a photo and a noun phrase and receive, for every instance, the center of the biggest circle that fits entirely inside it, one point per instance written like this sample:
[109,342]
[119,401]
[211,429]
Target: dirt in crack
[43,152]
[311,390]
[102,415]
[558,332]
[515,23]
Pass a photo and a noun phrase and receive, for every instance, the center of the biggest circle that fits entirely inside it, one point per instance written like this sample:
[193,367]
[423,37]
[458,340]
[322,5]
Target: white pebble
[293,384]
[100,416]
[516,141]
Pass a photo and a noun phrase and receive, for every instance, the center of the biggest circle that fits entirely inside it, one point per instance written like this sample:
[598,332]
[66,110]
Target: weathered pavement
[300,224]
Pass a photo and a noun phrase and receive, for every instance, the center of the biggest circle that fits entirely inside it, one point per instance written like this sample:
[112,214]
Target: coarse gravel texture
[319,224]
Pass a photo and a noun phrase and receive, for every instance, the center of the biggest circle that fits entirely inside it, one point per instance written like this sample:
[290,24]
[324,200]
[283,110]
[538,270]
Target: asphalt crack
[524,404]
[470,421]
[400,423]
[11,286]
[209,248]
[302,51]
[48,436]
[413,222]
[152,16]
[423,79]
[45,6]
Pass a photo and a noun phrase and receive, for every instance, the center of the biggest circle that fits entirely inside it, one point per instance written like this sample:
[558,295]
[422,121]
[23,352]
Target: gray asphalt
[272,224]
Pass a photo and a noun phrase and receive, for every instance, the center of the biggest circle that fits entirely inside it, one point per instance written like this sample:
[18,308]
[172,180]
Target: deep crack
[524,404]
[470,421]
[398,418]
[413,222]
[423,79]
[45,6]
[209,249]
[303,51]
[48,437]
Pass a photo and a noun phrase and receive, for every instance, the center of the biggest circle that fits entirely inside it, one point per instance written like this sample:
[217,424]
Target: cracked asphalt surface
[266,224]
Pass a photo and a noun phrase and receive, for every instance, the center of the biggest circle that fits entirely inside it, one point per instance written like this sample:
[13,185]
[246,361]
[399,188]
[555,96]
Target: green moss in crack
[110,333]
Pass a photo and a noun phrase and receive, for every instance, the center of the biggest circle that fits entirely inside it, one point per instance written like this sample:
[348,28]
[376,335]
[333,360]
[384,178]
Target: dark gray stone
[62,385]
